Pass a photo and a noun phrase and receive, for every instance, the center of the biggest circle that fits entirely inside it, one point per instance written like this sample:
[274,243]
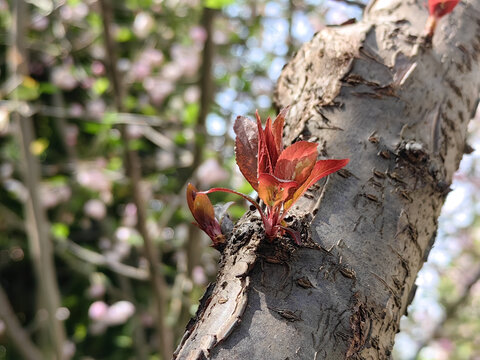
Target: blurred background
[107,110]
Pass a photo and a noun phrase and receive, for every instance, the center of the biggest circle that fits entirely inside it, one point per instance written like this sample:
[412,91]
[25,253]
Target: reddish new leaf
[191,194]
[204,214]
[277,128]
[264,162]
[439,8]
[321,169]
[296,161]
[246,149]
[274,191]
[203,211]
[280,176]
[270,142]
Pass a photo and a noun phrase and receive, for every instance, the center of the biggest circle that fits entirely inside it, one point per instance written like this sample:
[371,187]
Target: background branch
[133,169]
[15,331]
[40,246]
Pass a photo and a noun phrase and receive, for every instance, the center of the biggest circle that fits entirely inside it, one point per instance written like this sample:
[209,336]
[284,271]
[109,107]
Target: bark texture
[399,109]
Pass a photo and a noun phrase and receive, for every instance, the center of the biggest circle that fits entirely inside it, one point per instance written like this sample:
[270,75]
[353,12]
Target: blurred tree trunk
[399,109]
[39,243]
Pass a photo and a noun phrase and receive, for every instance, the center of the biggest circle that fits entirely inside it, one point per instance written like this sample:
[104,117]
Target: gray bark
[399,109]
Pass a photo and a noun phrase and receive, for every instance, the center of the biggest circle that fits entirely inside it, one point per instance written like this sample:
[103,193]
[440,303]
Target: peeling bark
[399,109]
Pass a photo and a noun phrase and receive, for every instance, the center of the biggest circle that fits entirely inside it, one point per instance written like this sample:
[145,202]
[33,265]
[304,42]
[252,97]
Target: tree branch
[346,302]
[40,246]
[133,169]
[352,3]
[15,331]
[95,258]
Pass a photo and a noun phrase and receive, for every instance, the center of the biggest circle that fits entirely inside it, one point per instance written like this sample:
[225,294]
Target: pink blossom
[158,89]
[198,276]
[96,290]
[210,172]
[143,24]
[63,78]
[187,58]
[140,70]
[53,195]
[76,110]
[130,215]
[192,94]
[118,313]
[94,179]
[98,68]
[96,107]
[39,22]
[171,71]
[98,311]
[153,57]
[74,13]
[198,34]
[95,209]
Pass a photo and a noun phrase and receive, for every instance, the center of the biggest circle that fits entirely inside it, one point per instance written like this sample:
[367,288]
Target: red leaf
[321,169]
[277,128]
[203,212]
[273,136]
[191,194]
[271,144]
[246,149]
[296,161]
[274,191]
[264,162]
[439,8]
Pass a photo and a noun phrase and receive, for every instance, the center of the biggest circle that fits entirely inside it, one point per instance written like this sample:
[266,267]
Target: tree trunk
[398,107]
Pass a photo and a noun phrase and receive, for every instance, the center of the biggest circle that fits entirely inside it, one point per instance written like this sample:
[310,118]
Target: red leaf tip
[439,8]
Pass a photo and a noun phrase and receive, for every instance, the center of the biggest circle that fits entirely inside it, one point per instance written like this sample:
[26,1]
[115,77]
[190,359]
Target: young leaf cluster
[280,176]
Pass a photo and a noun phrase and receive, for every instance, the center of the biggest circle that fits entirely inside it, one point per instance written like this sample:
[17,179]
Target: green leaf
[47,88]
[80,332]
[39,146]
[110,118]
[148,110]
[190,114]
[60,231]
[28,90]
[101,85]
[115,163]
[217,4]
[123,35]
[95,21]
[94,128]
[135,144]
[180,139]
[130,102]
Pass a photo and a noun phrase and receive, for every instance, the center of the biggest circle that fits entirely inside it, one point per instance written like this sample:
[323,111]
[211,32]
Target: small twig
[97,259]
[121,118]
[353,3]
[15,331]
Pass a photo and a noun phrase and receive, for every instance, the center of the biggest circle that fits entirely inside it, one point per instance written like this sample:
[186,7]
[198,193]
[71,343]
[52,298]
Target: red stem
[246,197]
